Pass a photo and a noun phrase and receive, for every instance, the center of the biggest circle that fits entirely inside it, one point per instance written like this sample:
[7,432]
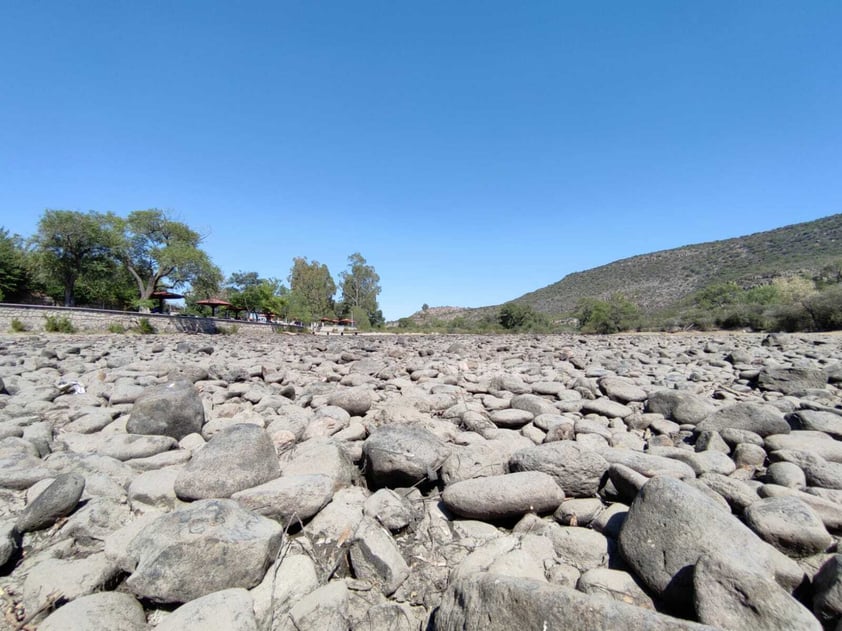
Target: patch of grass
[17,326]
[144,327]
[56,324]
[227,330]
[116,327]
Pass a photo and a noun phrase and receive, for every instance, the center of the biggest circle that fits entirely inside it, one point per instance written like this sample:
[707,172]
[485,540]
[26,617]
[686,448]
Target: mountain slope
[660,279]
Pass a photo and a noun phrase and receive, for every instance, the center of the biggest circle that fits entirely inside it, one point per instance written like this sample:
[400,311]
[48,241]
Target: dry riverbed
[301,483]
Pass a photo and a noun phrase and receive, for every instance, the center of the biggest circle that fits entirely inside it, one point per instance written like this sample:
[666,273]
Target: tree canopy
[312,290]
[360,288]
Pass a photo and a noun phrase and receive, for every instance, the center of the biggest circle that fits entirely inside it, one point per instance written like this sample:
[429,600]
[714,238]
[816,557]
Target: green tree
[156,249]
[718,295]
[15,276]
[69,243]
[360,288]
[312,288]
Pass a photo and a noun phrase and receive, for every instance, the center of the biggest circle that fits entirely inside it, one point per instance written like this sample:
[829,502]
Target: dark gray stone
[402,455]
[729,597]
[671,525]
[56,501]
[173,409]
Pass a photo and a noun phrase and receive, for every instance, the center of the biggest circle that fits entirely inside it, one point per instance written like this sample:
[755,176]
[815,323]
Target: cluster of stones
[421,482]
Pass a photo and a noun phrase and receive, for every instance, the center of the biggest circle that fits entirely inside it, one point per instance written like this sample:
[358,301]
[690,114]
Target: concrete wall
[34,317]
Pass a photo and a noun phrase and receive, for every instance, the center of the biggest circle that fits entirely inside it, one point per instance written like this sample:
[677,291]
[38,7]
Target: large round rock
[402,455]
[671,525]
[236,458]
[173,409]
[577,470]
[205,547]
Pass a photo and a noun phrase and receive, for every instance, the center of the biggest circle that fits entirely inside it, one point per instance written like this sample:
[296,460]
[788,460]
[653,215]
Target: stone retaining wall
[34,317]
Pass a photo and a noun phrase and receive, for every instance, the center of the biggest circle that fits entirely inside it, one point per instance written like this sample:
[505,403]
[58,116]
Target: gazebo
[213,303]
[164,294]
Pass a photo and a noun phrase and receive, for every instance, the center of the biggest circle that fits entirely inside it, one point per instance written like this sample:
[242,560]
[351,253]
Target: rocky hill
[660,280]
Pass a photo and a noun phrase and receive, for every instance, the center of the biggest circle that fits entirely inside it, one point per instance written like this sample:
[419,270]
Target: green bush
[144,327]
[17,326]
[608,316]
[116,327]
[825,309]
[55,324]
[227,330]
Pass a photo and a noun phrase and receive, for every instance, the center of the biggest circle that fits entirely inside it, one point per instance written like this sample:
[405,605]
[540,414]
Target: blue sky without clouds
[471,151]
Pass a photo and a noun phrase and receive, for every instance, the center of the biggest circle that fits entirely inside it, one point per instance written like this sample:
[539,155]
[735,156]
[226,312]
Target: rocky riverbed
[420,482]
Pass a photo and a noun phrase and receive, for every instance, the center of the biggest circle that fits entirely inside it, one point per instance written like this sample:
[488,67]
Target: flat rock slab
[500,603]
[236,458]
[103,611]
[288,498]
[118,446]
[504,496]
[205,547]
[225,610]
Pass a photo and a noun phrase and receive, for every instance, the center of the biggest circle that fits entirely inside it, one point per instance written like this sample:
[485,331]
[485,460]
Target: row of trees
[103,260]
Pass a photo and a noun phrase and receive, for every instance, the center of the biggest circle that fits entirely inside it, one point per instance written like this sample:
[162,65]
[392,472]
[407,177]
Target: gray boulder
[356,401]
[492,602]
[788,524]
[577,470]
[791,380]
[763,420]
[827,591]
[679,406]
[671,525]
[375,557]
[173,409]
[205,547]
[729,597]
[503,496]
[236,458]
[818,421]
[402,455]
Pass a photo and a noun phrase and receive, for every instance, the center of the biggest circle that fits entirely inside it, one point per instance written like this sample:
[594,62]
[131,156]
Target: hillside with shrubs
[787,279]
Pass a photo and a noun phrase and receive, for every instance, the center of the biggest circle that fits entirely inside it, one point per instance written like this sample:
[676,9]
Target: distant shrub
[17,326]
[116,327]
[825,309]
[144,327]
[227,330]
[56,324]
[608,316]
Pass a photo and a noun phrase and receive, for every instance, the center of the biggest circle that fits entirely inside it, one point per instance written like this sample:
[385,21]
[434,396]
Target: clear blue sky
[471,151]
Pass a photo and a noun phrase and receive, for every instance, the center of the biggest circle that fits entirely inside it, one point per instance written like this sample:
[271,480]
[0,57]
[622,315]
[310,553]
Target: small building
[333,325]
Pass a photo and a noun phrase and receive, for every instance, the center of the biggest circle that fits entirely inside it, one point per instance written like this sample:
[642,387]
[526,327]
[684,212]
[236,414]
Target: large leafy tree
[71,243]
[157,249]
[360,288]
[254,294]
[312,289]
[15,275]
